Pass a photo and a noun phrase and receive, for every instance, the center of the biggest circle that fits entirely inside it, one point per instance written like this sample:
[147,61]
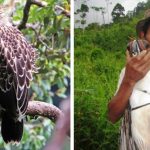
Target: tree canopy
[118,12]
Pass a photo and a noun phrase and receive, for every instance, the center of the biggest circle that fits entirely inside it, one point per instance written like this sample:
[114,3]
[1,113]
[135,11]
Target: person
[139,29]
[136,68]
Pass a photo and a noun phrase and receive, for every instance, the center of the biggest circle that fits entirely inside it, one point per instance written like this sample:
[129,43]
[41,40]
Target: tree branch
[38,108]
[62,11]
[39,3]
[27,25]
[25,15]
[26,11]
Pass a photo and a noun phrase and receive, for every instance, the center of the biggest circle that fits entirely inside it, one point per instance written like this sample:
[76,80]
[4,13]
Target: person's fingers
[141,55]
[147,56]
[145,60]
[148,50]
[146,69]
[146,65]
[137,60]
[128,57]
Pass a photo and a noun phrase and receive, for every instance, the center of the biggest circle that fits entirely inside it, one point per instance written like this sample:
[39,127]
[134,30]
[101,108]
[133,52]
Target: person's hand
[137,66]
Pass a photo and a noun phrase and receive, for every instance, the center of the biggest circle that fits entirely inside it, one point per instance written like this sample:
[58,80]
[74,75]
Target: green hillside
[99,58]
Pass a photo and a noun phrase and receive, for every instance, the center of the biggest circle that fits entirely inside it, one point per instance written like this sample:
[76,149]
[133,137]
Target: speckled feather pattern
[17,63]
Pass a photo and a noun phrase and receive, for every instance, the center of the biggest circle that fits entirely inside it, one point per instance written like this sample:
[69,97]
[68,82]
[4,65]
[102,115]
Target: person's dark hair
[146,25]
[139,27]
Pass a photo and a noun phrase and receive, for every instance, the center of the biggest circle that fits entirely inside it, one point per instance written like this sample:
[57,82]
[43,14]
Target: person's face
[147,37]
[141,35]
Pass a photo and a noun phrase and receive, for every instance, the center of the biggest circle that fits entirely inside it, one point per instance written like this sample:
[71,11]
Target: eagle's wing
[18,58]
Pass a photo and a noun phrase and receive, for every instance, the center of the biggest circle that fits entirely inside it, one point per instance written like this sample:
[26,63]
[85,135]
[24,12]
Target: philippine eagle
[17,63]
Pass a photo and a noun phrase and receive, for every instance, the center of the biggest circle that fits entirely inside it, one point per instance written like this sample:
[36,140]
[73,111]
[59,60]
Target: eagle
[17,64]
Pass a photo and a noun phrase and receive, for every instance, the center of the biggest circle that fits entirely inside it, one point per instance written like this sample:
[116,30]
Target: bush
[99,58]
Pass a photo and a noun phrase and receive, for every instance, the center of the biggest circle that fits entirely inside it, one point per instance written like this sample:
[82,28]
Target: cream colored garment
[135,128]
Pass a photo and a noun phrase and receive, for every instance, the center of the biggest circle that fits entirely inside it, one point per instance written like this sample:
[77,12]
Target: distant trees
[82,11]
[118,13]
[101,14]
[140,6]
[130,14]
[102,10]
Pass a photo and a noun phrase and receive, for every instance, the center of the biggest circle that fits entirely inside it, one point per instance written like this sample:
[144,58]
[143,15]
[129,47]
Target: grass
[96,77]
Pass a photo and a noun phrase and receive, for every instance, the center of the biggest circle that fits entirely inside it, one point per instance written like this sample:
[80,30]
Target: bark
[38,108]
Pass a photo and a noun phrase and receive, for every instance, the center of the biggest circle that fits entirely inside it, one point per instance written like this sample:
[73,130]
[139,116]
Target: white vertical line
[72,75]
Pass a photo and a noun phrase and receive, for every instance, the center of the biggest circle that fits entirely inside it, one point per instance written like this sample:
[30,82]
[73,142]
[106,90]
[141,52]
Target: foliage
[52,40]
[93,26]
[140,7]
[118,12]
[99,58]
[82,11]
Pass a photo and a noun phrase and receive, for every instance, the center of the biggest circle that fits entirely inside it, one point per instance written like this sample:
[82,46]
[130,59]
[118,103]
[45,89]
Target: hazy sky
[95,17]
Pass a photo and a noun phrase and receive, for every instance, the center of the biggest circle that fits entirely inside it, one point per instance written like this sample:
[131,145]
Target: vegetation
[82,12]
[99,58]
[49,31]
[118,12]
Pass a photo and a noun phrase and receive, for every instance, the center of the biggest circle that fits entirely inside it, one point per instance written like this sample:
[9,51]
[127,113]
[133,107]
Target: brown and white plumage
[17,63]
